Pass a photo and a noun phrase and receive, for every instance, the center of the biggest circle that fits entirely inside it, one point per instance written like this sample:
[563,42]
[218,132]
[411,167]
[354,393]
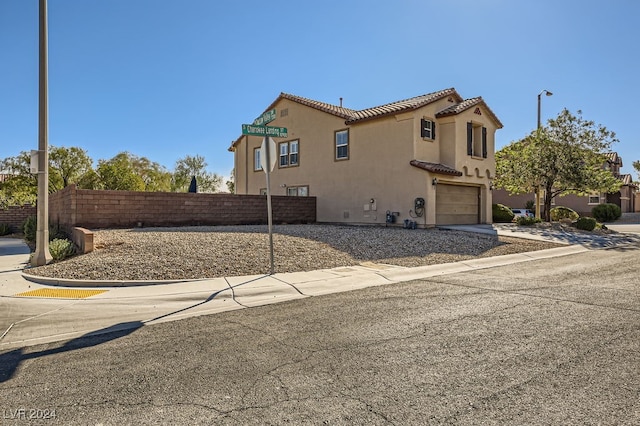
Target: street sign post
[268,153]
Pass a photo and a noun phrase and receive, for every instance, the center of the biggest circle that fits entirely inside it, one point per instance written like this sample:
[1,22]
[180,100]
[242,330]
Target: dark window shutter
[484,142]
[469,138]
[423,124]
[433,130]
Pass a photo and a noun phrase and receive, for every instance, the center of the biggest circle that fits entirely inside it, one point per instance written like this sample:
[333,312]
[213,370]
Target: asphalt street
[551,341]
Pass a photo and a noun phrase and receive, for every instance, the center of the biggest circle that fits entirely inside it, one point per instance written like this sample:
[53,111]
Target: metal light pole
[42,256]
[548,93]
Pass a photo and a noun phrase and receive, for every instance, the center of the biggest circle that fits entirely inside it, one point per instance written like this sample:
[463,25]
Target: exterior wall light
[434,182]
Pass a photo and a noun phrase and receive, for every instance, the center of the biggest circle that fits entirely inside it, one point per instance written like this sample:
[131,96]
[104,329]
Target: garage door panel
[456,205]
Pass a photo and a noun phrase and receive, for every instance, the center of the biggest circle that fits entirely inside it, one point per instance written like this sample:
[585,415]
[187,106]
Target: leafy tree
[67,166]
[89,180]
[119,173]
[19,186]
[231,183]
[156,177]
[188,167]
[636,165]
[564,157]
[129,172]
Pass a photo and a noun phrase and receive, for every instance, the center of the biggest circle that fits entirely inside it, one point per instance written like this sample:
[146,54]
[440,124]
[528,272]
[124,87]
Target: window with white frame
[594,199]
[289,155]
[342,144]
[257,164]
[298,191]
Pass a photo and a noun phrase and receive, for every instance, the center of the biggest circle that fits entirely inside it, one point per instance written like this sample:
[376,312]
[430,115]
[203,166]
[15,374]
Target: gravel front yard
[210,252]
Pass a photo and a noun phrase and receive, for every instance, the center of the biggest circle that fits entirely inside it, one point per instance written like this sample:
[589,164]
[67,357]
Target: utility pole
[42,256]
[538,189]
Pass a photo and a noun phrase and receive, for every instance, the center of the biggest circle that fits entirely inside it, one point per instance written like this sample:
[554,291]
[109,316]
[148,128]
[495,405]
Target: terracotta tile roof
[403,105]
[435,168]
[322,106]
[465,105]
[353,116]
[613,157]
[626,179]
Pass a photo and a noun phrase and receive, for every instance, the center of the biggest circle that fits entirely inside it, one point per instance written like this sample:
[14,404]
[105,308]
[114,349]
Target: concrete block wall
[124,209]
[16,215]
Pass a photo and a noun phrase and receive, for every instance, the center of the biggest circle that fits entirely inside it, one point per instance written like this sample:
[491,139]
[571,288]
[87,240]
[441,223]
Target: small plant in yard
[502,213]
[528,221]
[559,213]
[55,232]
[61,249]
[29,228]
[586,223]
[5,229]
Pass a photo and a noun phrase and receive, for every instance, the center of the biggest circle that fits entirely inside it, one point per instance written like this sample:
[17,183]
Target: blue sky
[168,78]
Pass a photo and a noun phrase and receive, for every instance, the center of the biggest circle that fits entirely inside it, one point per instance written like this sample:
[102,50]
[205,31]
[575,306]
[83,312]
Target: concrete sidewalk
[35,312]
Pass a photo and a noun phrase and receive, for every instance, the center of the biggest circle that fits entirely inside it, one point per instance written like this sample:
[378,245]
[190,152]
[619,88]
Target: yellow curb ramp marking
[63,293]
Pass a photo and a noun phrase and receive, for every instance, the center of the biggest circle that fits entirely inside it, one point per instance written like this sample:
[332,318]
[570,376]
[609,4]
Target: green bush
[56,232]
[606,212]
[29,228]
[559,213]
[5,229]
[586,223]
[527,221]
[502,213]
[61,249]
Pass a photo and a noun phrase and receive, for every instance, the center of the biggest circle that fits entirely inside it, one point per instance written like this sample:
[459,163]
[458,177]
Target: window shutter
[423,124]
[433,130]
[469,138]
[484,142]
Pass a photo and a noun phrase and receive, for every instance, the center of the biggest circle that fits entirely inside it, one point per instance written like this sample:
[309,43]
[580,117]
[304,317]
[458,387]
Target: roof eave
[445,93]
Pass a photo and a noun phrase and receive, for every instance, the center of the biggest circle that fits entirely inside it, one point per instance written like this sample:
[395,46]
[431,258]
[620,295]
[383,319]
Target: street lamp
[42,256]
[548,93]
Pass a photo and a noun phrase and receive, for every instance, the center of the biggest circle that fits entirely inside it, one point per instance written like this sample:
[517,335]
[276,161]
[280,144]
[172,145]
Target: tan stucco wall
[378,167]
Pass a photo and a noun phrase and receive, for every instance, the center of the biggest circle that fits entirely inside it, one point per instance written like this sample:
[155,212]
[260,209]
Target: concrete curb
[373,274]
[66,282]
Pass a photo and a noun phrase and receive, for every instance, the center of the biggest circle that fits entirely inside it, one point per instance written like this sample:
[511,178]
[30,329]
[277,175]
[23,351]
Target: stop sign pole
[258,128]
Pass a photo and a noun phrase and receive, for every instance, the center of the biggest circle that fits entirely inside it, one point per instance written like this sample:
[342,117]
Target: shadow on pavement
[10,361]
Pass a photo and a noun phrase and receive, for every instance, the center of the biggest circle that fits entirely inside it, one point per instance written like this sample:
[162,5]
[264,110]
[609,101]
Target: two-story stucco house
[427,159]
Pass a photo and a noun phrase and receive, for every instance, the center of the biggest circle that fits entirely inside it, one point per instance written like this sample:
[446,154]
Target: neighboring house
[625,198]
[427,159]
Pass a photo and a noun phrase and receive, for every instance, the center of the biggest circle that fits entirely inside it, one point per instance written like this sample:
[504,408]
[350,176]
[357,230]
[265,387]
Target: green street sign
[275,132]
[265,118]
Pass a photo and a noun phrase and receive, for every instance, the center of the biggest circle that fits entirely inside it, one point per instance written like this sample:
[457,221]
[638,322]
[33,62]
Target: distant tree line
[125,171]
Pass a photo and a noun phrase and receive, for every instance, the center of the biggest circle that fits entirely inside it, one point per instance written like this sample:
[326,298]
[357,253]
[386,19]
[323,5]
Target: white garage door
[457,205]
